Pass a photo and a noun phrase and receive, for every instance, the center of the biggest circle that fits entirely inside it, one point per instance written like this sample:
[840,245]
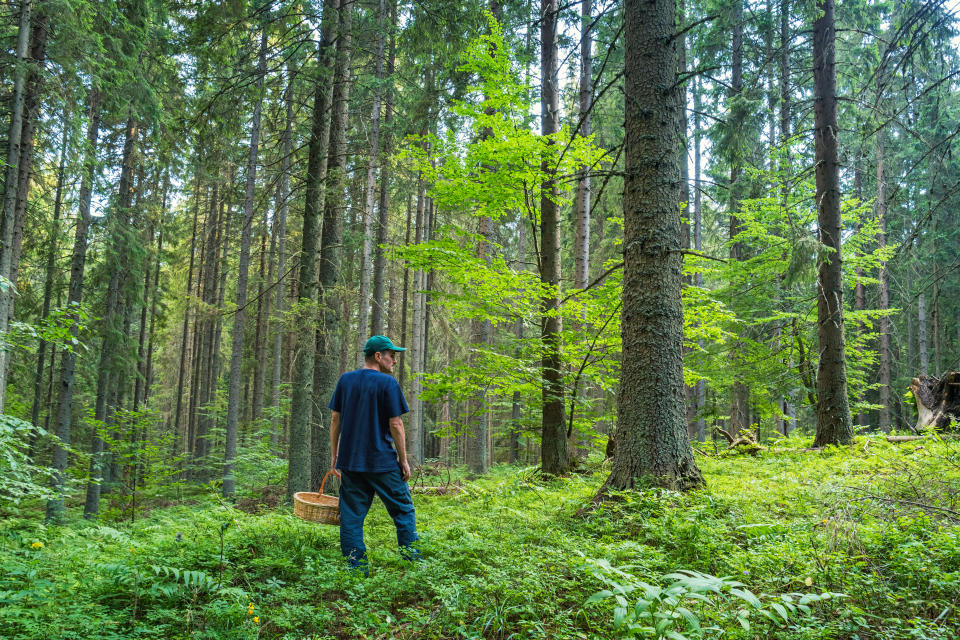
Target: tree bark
[283,196]
[239,317]
[555,456]
[366,257]
[55,507]
[327,347]
[581,252]
[922,333]
[652,443]
[403,363]
[414,433]
[701,386]
[49,272]
[8,214]
[107,372]
[884,278]
[739,392]
[833,410]
[31,115]
[383,209]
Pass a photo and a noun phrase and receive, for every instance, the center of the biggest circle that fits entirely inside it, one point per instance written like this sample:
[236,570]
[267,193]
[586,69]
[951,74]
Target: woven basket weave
[317,507]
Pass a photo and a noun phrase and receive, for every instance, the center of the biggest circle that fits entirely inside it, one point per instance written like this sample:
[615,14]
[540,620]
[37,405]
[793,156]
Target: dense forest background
[208,208]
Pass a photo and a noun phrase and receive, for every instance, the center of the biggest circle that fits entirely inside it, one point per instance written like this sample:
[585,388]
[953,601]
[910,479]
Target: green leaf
[747,596]
[693,622]
[599,595]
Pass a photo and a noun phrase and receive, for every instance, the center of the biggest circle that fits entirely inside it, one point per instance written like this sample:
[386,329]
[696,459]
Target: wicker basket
[317,507]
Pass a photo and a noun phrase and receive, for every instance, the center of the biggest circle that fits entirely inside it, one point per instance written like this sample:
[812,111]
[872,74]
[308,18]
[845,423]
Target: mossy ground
[509,556]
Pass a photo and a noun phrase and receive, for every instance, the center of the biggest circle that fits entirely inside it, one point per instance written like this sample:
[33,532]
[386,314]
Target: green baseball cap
[380,343]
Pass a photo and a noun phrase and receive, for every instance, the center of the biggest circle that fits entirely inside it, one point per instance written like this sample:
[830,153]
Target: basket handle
[324,481]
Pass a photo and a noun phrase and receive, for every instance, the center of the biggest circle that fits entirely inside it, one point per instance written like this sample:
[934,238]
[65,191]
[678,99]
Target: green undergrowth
[861,542]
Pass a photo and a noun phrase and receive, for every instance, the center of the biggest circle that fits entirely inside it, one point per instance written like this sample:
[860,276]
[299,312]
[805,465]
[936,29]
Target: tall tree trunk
[701,386]
[262,324]
[555,456]
[185,331]
[31,115]
[652,443]
[517,408]
[8,214]
[785,133]
[366,257]
[402,363]
[303,439]
[327,358]
[833,411]
[383,209]
[740,392]
[107,373]
[283,195]
[68,362]
[884,278]
[148,368]
[414,432]
[49,272]
[236,354]
[683,196]
[581,252]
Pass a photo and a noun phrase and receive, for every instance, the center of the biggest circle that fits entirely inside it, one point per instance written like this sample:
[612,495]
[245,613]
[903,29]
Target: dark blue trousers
[356,495]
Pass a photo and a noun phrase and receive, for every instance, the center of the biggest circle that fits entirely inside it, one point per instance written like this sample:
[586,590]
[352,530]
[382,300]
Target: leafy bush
[690,601]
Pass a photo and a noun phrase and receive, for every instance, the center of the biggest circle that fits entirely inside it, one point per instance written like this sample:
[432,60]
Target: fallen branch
[951,514]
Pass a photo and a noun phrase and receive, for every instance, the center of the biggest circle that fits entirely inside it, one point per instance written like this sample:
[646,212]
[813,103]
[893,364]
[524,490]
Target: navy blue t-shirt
[366,400]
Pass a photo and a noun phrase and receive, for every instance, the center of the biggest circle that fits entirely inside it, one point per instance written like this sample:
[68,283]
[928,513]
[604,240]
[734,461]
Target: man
[368,451]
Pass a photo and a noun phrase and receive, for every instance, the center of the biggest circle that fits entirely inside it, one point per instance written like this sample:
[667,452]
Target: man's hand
[333,467]
[405,470]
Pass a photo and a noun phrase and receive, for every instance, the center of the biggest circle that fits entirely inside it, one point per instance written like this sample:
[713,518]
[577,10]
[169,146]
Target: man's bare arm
[400,442]
[334,439]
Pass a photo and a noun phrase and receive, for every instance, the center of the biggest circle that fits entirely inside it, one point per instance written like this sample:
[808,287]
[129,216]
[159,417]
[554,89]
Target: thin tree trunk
[922,332]
[262,325]
[402,364]
[107,372]
[884,278]
[415,431]
[581,252]
[701,386]
[31,107]
[236,355]
[366,257]
[148,369]
[55,506]
[833,411]
[383,210]
[283,191]
[739,392]
[555,456]
[184,333]
[8,214]
[50,273]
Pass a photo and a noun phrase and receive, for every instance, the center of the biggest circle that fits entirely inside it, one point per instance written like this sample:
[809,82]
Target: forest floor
[510,556]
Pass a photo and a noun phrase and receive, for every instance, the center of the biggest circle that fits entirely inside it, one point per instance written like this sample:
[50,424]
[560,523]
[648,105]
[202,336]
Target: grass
[509,557]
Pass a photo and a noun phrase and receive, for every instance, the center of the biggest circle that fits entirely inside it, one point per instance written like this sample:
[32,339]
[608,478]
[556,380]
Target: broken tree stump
[938,401]
[743,442]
